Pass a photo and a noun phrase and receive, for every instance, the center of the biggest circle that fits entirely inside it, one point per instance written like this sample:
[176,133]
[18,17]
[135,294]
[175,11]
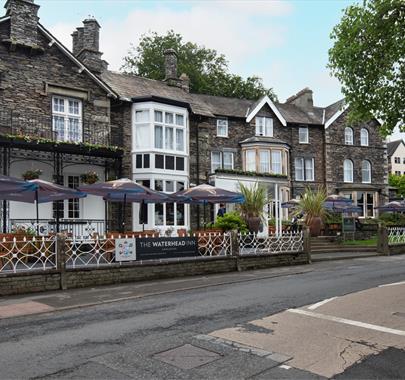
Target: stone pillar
[382,241]
[23,21]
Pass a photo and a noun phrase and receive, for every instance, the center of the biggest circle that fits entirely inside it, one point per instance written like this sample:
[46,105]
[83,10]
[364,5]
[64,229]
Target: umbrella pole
[142,215]
[123,213]
[57,216]
[205,220]
[37,210]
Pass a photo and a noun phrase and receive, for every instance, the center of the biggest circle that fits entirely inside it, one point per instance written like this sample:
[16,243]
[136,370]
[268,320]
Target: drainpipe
[198,169]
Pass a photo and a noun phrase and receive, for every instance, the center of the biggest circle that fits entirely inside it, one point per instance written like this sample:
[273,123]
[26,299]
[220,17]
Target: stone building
[169,138]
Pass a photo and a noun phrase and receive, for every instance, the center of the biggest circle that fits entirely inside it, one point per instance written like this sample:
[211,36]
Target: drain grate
[187,356]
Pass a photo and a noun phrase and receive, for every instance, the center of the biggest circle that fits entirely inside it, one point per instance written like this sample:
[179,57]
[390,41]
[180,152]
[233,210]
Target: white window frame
[247,152]
[348,171]
[303,135]
[366,170]
[305,166]
[280,155]
[216,164]
[348,136]
[267,162]
[223,159]
[310,168]
[262,128]
[67,116]
[364,137]
[222,123]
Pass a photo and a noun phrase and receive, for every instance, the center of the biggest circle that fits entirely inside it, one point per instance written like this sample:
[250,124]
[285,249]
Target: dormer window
[264,126]
[222,127]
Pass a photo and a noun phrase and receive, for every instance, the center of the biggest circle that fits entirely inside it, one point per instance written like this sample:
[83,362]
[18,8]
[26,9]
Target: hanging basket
[89,178]
[31,174]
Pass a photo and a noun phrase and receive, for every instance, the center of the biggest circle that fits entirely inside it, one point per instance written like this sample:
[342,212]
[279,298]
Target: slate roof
[392,147]
[130,86]
[263,139]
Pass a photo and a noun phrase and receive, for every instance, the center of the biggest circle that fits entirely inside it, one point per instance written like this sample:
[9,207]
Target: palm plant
[253,206]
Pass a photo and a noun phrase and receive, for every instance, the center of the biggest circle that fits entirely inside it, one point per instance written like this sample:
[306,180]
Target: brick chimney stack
[23,21]
[86,45]
[171,77]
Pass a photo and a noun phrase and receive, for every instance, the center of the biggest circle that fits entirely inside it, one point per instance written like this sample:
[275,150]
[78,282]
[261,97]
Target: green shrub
[231,221]
[392,219]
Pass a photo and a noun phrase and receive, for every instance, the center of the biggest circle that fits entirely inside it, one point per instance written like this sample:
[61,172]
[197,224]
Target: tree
[368,57]
[397,181]
[207,69]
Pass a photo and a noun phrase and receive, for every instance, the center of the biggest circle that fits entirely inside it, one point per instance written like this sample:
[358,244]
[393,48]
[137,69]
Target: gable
[256,107]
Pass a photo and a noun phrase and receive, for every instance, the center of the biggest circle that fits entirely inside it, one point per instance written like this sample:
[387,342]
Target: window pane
[159,214]
[158,137]
[366,171]
[222,127]
[169,214]
[360,203]
[180,214]
[159,161]
[348,171]
[364,137]
[169,186]
[59,127]
[180,140]
[303,135]
[348,136]
[146,161]
[158,116]
[264,165]
[169,118]
[139,161]
[180,163]
[169,138]
[179,119]
[216,161]
[74,133]
[169,162]
[250,160]
[299,169]
[259,126]
[142,136]
[309,169]
[159,185]
[370,205]
[73,107]
[179,186]
[58,105]
[276,162]
[269,127]
[228,160]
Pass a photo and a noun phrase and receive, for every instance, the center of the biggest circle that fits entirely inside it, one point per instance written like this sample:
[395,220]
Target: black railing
[77,228]
[32,125]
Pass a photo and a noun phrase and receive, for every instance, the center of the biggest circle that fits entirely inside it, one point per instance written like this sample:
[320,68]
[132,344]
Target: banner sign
[164,248]
[125,250]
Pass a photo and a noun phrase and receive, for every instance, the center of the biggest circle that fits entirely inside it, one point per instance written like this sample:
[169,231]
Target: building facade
[396,157]
[163,136]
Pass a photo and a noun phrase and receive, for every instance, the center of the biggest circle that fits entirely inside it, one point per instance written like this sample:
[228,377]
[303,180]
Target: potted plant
[231,221]
[31,174]
[311,205]
[272,225]
[89,178]
[253,206]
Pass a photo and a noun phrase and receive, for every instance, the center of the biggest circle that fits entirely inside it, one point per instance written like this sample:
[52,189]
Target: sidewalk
[38,303]
[315,257]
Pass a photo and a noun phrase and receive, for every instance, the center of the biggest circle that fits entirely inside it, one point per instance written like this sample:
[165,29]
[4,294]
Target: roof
[392,146]
[263,139]
[131,86]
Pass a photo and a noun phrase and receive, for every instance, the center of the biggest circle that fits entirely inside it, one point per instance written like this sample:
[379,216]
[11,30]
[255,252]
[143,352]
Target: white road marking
[348,322]
[320,303]
[283,366]
[393,284]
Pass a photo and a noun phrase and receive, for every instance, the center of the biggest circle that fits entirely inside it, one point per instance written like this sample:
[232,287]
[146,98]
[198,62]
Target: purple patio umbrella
[334,201]
[11,184]
[394,206]
[292,203]
[39,191]
[205,193]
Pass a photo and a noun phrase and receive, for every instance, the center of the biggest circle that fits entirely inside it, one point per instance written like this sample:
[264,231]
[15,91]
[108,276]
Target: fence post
[307,244]
[235,248]
[61,258]
[382,241]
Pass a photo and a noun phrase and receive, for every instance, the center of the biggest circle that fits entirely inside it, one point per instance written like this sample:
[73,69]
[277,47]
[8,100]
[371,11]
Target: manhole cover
[187,356]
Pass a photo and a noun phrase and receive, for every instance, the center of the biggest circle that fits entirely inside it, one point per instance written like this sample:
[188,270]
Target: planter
[315,226]
[254,224]
[89,178]
[31,174]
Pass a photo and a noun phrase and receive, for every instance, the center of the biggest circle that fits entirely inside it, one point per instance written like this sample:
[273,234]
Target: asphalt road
[129,339]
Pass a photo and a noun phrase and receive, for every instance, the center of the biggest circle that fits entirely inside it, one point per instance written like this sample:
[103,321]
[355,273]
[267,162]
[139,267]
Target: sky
[285,42]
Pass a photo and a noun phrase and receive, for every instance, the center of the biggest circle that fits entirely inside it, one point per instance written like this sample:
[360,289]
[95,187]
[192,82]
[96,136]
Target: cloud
[239,29]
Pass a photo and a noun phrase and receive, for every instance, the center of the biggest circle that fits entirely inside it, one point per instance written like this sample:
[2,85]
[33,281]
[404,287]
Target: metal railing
[214,244]
[77,228]
[396,235]
[24,254]
[284,243]
[36,126]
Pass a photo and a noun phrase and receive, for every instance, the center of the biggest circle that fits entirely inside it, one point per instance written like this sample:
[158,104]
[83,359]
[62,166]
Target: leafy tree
[368,57]
[207,69]
[397,181]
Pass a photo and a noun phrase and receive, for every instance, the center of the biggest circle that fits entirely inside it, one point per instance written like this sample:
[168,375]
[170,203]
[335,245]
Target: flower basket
[31,174]
[89,178]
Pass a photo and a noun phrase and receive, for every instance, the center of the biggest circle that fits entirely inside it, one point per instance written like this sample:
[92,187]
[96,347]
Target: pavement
[195,328]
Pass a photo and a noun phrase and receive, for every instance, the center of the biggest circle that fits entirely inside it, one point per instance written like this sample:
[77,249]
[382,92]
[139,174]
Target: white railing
[396,235]
[89,252]
[251,244]
[26,254]
[214,243]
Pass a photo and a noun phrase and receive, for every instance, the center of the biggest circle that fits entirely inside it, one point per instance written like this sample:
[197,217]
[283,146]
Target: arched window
[366,171]
[348,136]
[348,171]
[364,137]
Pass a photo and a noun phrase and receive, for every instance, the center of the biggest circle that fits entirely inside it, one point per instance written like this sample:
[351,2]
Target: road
[132,338]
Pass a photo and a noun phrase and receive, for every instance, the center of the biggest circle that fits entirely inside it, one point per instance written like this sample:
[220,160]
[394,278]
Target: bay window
[67,119]
[264,164]
[276,162]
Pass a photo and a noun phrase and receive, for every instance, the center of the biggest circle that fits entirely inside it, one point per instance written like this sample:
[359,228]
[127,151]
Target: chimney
[86,41]
[302,99]
[23,21]
[170,64]
[185,82]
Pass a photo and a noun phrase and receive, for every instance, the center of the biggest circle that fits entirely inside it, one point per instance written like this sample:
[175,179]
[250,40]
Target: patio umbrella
[205,193]
[40,191]
[11,184]
[394,206]
[124,190]
[346,208]
[334,201]
[292,203]
[146,196]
